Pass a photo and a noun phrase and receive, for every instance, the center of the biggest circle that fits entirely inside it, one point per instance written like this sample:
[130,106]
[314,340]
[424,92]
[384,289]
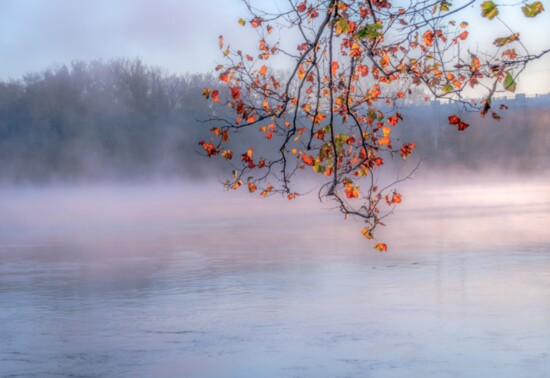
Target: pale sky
[181,35]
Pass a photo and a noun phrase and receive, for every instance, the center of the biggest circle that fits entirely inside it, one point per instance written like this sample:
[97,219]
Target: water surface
[190,281]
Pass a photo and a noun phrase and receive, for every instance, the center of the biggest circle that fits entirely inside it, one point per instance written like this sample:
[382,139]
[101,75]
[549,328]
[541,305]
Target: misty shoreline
[122,120]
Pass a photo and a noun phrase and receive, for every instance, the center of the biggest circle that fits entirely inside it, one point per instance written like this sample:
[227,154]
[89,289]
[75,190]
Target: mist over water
[121,255]
[184,279]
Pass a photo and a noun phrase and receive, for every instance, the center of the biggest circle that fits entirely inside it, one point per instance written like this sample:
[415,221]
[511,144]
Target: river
[190,281]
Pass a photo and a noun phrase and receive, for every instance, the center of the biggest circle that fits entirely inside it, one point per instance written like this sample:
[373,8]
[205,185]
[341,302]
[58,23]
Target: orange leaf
[209,148]
[428,38]
[308,160]
[319,118]
[225,135]
[393,120]
[227,154]
[301,72]
[263,45]
[510,54]
[396,198]
[381,247]
[334,69]
[406,150]
[352,192]
[363,70]
[263,70]
[267,190]
[385,60]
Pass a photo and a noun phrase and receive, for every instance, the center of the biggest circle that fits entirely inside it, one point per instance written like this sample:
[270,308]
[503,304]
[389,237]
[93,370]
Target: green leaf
[445,6]
[369,31]
[509,83]
[447,88]
[342,26]
[489,10]
[531,10]
[318,168]
[504,41]
[372,114]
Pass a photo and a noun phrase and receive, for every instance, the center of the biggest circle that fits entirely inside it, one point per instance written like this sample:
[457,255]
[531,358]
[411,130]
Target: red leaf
[393,120]
[214,96]
[235,93]
[454,119]
[308,160]
[463,35]
[256,22]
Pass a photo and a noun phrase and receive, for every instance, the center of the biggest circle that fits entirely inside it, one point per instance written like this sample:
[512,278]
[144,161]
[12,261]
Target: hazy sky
[179,35]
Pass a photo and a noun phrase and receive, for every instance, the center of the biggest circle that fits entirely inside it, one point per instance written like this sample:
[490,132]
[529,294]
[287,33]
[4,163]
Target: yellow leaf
[366,233]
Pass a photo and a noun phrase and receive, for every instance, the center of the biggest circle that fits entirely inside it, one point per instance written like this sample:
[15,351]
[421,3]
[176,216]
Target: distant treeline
[118,119]
[124,120]
[518,142]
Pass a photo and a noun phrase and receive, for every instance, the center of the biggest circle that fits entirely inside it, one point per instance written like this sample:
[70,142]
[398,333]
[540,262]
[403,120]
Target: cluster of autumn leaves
[331,112]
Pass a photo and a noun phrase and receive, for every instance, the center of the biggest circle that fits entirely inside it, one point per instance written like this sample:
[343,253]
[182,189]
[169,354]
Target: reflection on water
[198,283]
